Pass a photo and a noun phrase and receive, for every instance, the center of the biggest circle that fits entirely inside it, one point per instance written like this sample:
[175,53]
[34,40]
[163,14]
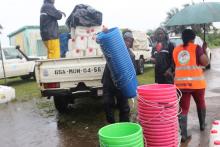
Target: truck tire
[140,66]
[33,75]
[61,103]
[209,66]
[26,77]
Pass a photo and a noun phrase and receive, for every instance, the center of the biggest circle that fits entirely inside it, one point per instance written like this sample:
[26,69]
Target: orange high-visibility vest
[188,75]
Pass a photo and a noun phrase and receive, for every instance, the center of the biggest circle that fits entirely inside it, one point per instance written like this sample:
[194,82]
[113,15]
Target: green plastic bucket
[122,141]
[137,143]
[121,135]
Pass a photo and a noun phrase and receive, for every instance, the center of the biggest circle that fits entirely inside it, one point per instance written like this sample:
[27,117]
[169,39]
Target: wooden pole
[3,65]
[204,33]
[204,28]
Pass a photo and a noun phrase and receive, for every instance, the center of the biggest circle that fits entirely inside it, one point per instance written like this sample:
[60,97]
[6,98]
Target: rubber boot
[124,112]
[109,110]
[201,116]
[124,116]
[183,126]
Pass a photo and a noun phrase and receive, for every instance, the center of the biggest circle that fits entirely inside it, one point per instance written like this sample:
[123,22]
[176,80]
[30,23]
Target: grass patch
[147,77]
[213,46]
[25,89]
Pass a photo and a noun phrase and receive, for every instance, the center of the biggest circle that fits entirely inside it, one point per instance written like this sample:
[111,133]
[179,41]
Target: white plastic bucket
[6,94]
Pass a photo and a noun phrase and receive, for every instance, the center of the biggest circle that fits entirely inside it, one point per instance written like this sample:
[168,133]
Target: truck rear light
[51,85]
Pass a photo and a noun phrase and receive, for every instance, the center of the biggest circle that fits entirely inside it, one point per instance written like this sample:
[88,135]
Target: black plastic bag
[84,15]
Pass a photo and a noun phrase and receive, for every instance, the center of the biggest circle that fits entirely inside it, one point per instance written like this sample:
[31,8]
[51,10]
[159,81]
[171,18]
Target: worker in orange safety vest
[189,78]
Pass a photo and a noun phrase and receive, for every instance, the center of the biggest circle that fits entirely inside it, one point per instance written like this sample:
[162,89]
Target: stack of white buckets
[215,134]
[83,42]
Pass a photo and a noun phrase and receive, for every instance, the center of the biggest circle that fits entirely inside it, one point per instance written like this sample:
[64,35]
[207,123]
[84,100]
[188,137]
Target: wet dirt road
[35,123]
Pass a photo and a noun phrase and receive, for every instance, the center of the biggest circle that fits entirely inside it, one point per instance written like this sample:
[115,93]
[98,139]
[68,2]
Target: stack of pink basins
[158,114]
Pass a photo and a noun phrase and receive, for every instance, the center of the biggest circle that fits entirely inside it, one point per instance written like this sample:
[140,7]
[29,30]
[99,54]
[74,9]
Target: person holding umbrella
[189,78]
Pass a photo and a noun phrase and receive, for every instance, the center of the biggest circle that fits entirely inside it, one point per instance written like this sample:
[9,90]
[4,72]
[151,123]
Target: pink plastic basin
[163,130]
[145,118]
[157,135]
[143,93]
[162,99]
[157,88]
[162,144]
[164,138]
[154,112]
[154,107]
[156,125]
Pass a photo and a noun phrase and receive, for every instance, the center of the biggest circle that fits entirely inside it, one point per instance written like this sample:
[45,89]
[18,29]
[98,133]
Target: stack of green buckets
[121,135]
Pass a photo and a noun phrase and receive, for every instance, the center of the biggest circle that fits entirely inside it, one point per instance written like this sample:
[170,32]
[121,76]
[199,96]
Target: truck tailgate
[67,70]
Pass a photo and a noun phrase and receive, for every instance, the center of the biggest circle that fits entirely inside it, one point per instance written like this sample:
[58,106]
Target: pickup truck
[68,78]
[15,63]
[142,48]
[65,79]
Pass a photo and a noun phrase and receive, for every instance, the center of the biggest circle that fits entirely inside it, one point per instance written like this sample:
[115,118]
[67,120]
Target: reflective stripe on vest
[188,75]
[190,78]
[188,68]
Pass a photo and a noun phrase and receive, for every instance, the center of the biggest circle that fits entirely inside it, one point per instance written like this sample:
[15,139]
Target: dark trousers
[114,99]
[199,98]
[161,79]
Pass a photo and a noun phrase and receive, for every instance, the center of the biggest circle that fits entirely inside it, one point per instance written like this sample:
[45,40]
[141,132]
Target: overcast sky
[134,14]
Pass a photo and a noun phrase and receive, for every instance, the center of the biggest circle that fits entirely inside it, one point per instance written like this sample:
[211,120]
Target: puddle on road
[36,123]
[212,92]
[215,90]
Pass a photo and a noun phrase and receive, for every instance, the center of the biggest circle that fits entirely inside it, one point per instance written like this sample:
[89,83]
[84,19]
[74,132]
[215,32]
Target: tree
[171,13]
[150,32]
[175,29]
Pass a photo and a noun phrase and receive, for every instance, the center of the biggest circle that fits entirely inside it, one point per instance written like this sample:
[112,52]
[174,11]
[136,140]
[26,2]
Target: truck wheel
[26,77]
[140,66]
[33,75]
[61,103]
[209,66]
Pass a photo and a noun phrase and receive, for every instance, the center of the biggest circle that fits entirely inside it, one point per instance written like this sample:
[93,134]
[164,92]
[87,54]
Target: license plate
[79,71]
[99,92]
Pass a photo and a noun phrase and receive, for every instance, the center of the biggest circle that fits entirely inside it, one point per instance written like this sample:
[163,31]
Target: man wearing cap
[113,96]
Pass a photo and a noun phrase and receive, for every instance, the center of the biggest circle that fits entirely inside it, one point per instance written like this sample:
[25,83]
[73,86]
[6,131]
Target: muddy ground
[36,123]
